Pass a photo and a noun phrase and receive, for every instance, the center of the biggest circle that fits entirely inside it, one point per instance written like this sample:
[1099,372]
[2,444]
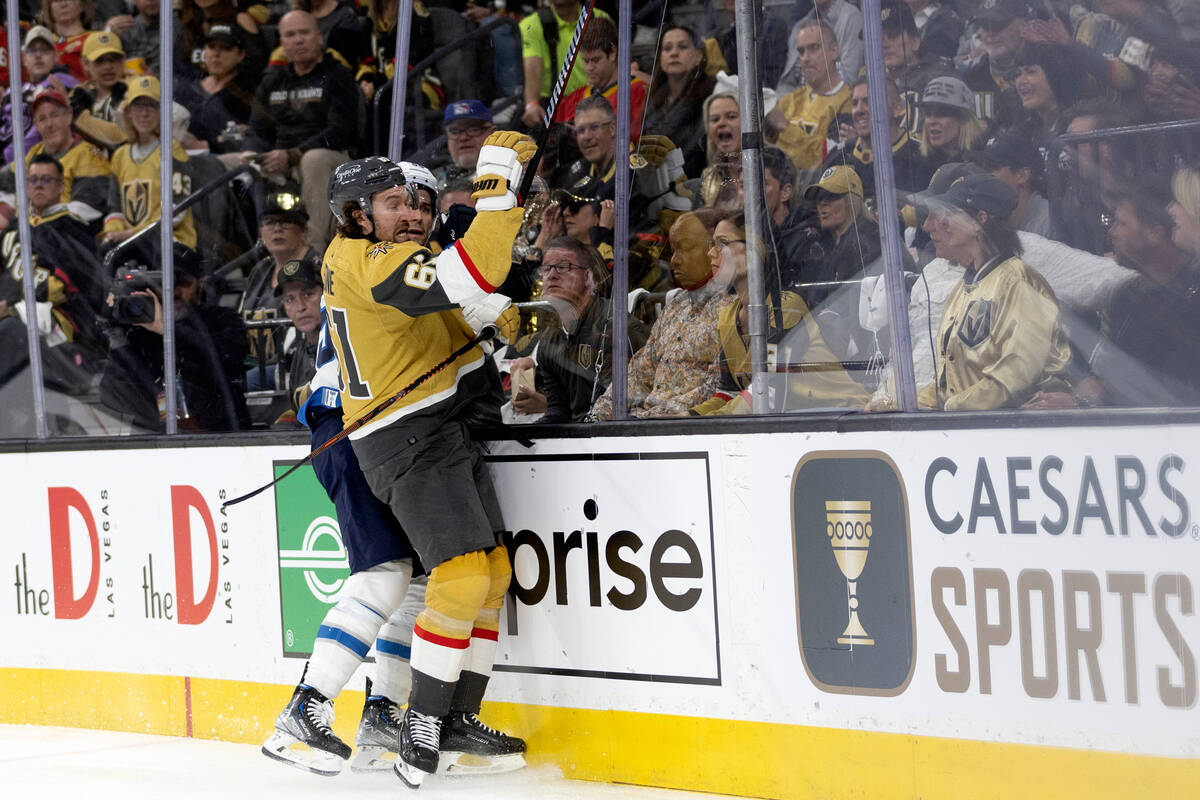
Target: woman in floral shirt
[678,367]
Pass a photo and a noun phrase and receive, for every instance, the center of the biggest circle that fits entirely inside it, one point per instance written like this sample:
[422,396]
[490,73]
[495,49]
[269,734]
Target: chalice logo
[848,526]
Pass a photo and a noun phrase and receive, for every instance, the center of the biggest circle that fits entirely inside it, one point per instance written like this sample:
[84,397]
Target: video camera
[128,308]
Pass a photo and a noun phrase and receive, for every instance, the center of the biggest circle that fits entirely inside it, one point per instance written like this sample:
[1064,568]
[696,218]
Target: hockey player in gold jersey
[395,309]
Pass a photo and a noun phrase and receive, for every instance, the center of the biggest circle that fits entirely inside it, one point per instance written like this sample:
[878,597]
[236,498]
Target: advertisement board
[1034,588]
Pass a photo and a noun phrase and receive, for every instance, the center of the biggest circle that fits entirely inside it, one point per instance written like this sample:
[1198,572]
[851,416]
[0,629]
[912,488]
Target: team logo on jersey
[854,599]
[379,249]
[976,324]
[135,201]
[313,563]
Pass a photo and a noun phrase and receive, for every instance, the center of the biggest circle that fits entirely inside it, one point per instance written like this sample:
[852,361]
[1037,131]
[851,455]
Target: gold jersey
[810,116]
[1001,341]
[137,192]
[393,311]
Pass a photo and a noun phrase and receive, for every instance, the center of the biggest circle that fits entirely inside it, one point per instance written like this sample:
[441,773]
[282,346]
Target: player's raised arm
[479,262]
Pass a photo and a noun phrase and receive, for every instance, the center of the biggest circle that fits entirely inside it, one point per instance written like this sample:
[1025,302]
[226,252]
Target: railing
[1160,149]
[379,132]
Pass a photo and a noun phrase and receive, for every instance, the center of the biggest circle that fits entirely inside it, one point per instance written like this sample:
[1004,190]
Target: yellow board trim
[730,757]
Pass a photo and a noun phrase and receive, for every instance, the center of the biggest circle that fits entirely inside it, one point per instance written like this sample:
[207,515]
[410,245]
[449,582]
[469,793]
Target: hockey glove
[81,100]
[499,169]
[663,177]
[494,309]
[454,224]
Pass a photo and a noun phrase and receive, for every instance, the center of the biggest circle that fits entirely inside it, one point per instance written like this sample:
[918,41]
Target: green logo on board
[312,559]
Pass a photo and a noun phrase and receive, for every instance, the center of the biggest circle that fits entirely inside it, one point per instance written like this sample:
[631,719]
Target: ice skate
[378,735]
[469,747]
[302,736]
[418,756]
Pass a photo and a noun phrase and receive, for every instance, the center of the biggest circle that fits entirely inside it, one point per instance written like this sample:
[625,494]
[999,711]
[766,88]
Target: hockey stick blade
[488,333]
[556,93]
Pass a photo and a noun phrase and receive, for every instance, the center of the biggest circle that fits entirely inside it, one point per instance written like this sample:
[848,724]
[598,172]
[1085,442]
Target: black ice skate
[418,756]
[305,722]
[378,734]
[469,747]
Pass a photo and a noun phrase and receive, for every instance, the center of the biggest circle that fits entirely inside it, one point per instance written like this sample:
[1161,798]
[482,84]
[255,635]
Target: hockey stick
[560,85]
[489,332]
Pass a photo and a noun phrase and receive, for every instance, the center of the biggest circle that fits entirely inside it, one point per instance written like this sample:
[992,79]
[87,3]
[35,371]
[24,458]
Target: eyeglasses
[278,222]
[592,129]
[465,132]
[43,180]
[563,268]
[719,242]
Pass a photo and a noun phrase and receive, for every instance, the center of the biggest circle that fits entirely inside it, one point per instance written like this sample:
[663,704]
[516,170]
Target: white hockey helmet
[419,177]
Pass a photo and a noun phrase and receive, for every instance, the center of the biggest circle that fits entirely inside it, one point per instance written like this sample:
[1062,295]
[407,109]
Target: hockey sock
[477,663]
[456,592]
[345,635]
[393,648]
[485,634]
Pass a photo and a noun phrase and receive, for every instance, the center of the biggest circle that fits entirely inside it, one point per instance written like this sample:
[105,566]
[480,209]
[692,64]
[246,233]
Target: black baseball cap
[945,177]
[982,193]
[1001,12]
[1008,149]
[896,18]
[225,33]
[588,190]
[285,201]
[305,270]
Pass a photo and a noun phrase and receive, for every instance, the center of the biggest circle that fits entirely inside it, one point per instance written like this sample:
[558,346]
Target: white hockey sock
[481,653]
[477,663]
[345,635]
[393,648]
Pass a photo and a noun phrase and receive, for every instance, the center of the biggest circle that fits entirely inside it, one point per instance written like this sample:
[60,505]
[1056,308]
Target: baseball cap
[224,33]
[982,193]
[839,180]
[943,178]
[466,109]
[305,270]
[142,86]
[897,18]
[588,190]
[1008,149]
[101,43]
[286,202]
[949,91]
[1001,11]
[38,32]
[47,94]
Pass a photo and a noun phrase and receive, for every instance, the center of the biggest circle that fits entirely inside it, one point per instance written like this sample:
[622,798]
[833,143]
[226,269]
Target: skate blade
[463,764]
[280,747]
[409,775]
[372,758]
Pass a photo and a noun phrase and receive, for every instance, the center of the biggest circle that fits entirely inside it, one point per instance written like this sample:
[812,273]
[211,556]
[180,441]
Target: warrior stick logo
[854,599]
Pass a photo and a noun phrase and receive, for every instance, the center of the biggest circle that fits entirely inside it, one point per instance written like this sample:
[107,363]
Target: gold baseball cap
[142,86]
[101,43]
[839,179]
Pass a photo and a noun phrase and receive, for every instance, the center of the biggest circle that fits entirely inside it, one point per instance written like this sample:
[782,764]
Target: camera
[128,308]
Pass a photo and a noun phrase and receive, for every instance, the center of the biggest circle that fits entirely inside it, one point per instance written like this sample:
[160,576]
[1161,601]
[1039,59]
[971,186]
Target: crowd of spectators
[1049,261]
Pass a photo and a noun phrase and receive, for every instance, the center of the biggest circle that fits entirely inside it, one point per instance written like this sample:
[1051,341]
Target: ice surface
[48,763]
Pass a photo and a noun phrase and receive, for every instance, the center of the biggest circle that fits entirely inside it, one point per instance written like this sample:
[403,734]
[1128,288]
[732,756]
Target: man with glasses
[574,356]
[466,123]
[283,232]
[64,256]
[86,173]
[596,136]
